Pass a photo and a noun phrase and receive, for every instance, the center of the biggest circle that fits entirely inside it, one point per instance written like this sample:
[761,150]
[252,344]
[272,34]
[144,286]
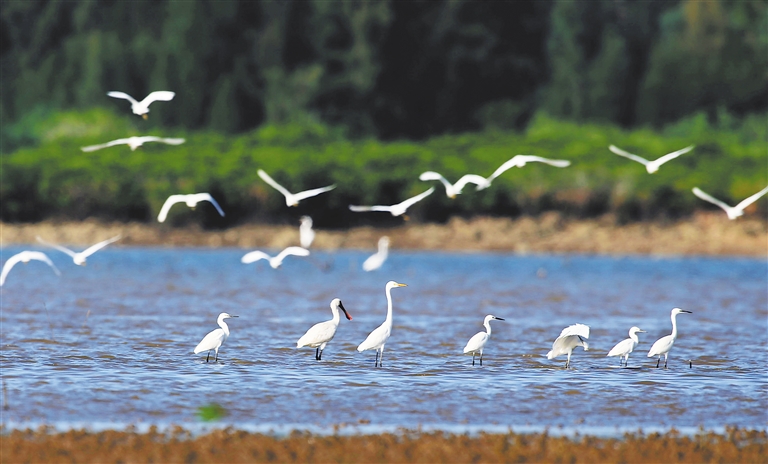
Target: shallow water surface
[111,342]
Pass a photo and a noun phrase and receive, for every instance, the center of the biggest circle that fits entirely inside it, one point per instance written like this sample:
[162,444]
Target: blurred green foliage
[53,178]
[387,69]
[211,412]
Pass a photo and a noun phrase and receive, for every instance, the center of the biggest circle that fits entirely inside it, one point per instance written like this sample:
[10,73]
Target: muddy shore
[29,446]
[705,233]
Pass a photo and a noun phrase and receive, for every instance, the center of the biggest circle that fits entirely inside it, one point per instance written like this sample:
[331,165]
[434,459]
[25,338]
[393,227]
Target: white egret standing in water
[732,211]
[25,257]
[664,344]
[293,199]
[215,338]
[378,338]
[626,346]
[79,258]
[650,166]
[141,108]
[479,340]
[571,337]
[276,261]
[377,259]
[321,333]
[191,200]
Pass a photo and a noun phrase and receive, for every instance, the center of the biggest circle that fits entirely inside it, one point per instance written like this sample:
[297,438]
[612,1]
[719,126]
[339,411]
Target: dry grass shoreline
[705,233]
[228,445]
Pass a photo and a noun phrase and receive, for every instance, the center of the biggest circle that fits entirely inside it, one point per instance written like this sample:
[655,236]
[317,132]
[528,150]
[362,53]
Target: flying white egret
[134,142]
[650,166]
[377,259]
[664,344]
[321,333]
[306,234]
[478,341]
[453,189]
[571,337]
[378,338]
[293,199]
[519,161]
[141,108]
[79,258]
[626,346]
[276,261]
[215,338]
[191,200]
[395,210]
[732,211]
[25,257]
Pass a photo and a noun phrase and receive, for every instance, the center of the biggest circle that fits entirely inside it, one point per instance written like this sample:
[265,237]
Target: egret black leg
[320,356]
[658,362]
[317,354]
[473,359]
[376,362]
[481,359]
[217,357]
[665,362]
[209,356]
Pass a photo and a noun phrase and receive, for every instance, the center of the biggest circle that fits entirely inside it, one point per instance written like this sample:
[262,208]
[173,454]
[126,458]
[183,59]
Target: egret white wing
[58,247]
[207,197]
[214,339]
[413,200]
[627,154]
[476,342]
[359,209]
[94,248]
[751,199]
[292,250]
[172,200]
[314,192]
[159,95]
[254,256]
[621,348]
[522,159]
[154,138]
[265,177]
[510,163]
[469,179]
[673,155]
[707,197]
[580,330]
[105,145]
[9,263]
[661,346]
[115,94]
[375,339]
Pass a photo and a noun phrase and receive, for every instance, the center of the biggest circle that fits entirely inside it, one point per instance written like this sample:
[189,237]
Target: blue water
[111,342]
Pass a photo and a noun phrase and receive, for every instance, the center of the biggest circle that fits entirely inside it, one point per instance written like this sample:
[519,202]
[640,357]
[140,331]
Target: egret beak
[145,116]
[402,285]
[642,331]
[233,316]
[405,217]
[498,319]
[683,310]
[349,318]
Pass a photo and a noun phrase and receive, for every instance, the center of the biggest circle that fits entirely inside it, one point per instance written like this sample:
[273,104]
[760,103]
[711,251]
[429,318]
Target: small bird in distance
[732,211]
[25,257]
[141,108]
[276,261]
[377,259]
[191,200]
[293,199]
[571,337]
[134,142]
[453,189]
[650,166]
[395,210]
[519,161]
[479,340]
[321,333]
[79,258]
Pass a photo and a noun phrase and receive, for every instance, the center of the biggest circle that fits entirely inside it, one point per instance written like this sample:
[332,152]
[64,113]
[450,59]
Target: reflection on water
[112,342]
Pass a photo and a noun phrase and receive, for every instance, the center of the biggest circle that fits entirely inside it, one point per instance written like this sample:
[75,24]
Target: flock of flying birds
[320,334]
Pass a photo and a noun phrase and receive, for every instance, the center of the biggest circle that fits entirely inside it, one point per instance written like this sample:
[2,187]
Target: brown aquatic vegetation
[705,233]
[178,445]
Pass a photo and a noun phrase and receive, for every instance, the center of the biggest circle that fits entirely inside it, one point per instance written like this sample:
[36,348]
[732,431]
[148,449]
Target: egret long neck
[674,326]
[487,325]
[388,320]
[224,326]
[635,339]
